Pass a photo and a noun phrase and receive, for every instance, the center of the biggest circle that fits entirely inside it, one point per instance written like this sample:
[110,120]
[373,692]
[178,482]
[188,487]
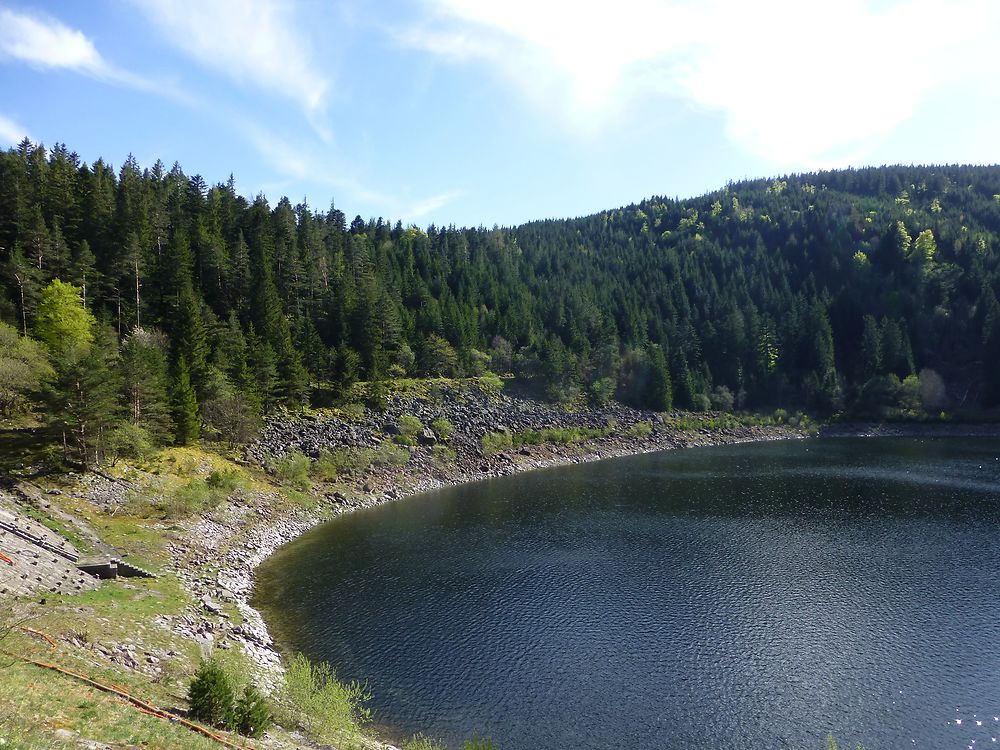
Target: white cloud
[11,133]
[800,83]
[48,44]
[255,43]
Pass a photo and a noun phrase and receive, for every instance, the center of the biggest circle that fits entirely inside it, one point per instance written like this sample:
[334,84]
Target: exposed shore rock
[217,559]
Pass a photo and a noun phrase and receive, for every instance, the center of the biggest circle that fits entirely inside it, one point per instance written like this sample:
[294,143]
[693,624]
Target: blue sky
[476,112]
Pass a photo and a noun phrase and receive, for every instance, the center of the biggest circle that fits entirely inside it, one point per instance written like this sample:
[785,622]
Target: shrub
[335,461]
[602,390]
[293,470]
[187,500]
[478,743]
[443,455]
[251,713]
[490,384]
[210,695]
[378,396]
[326,467]
[561,435]
[722,398]
[329,710]
[640,429]
[495,442]
[213,701]
[128,440]
[409,427]
[390,455]
[227,480]
[701,402]
[419,742]
[353,412]
[442,428]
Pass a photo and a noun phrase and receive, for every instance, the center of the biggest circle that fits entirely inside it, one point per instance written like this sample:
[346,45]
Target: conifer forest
[144,305]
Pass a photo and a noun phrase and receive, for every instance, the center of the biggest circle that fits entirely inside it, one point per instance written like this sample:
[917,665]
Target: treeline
[831,290]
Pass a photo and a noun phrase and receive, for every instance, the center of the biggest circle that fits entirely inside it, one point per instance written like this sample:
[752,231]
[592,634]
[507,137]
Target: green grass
[557,435]
[640,429]
[495,442]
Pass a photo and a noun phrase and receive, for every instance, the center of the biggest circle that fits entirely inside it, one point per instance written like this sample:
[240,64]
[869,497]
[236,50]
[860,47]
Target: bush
[722,398]
[602,390]
[251,713]
[378,396]
[495,442]
[128,440]
[490,384]
[640,429]
[227,480]
[390,455]
[419,742]
[212,700]
[210,695]
[353,412]
[477,743]
[326,467]
[561,435]
[329,710]
[442,428]
[293,470]
[443,455]
[335,461]
[187,500]
[409,427]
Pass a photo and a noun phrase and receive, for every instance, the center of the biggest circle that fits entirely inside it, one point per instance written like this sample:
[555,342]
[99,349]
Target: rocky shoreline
[219,554]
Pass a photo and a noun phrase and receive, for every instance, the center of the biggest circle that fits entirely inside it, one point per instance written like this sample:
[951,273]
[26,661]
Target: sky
[483,112]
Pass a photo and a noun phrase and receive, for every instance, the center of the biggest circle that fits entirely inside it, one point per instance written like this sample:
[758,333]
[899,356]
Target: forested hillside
[154,304]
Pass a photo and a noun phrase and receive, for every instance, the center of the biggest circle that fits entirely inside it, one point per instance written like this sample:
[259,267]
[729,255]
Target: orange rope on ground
[41,635]
[137,703]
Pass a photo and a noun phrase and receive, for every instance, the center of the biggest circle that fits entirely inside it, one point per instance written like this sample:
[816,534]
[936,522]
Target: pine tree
[659,389]
[991,353]
[871,349]
[187,417]
[146,383]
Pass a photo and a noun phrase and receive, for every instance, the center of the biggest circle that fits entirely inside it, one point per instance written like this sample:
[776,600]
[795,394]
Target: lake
[753,596]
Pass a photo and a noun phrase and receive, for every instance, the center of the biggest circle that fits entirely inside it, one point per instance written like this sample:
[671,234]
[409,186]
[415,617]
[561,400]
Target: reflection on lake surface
[752,596]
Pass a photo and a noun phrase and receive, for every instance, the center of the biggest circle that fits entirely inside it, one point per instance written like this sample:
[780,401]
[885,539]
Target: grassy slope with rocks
[203,518]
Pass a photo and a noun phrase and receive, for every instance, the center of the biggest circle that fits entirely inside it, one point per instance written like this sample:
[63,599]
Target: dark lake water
[754,596]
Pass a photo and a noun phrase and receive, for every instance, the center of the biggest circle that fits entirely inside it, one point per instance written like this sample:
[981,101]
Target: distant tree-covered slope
[827,290]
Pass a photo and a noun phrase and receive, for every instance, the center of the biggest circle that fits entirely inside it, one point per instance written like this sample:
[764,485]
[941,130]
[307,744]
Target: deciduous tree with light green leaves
[24,370]
[63,324]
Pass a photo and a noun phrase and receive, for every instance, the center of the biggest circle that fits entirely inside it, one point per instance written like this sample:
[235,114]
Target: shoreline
[247,544]
[236,575]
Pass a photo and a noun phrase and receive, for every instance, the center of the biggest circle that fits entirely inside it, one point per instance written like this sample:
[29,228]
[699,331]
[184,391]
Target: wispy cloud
[300,164]
[797,83]
[11,133]
[304,162]
[424,206]
[46,43]
[254,43]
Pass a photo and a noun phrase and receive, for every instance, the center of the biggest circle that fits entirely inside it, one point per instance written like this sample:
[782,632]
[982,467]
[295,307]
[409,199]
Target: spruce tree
[659,389]
[187,416]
